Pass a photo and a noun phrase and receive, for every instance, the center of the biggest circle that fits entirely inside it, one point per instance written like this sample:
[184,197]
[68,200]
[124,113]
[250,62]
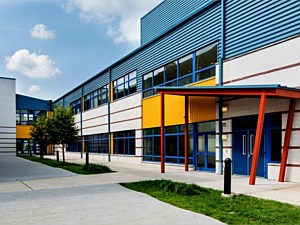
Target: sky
[52,46]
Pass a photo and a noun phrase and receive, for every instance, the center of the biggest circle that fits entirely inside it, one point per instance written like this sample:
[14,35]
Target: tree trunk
[63,153]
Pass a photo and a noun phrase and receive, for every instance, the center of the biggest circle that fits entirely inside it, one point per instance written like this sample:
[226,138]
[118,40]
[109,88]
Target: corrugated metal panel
[165,15]
[60,102]
[202,108]
[200,31]
[96,83]
[254,24]
[72,97]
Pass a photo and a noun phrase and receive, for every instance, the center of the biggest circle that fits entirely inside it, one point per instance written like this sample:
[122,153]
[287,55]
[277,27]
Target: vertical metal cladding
[96,83]
[254,24]
[160,19]
[76,94]
[196,33]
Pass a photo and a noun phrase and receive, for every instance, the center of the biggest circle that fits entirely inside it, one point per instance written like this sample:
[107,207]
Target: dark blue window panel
[166,15]
[254,24]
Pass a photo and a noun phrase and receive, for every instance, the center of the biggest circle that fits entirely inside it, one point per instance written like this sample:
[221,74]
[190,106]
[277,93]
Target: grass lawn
[240,209]
[73,167]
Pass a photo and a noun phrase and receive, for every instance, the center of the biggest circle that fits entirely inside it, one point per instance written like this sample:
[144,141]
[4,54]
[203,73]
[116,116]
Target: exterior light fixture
[224,108]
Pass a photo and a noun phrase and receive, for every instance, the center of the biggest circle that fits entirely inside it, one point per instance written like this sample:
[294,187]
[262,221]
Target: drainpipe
[222,43]
[108,113]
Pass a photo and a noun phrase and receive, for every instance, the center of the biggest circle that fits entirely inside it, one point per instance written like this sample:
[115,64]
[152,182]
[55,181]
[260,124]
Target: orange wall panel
[23,132]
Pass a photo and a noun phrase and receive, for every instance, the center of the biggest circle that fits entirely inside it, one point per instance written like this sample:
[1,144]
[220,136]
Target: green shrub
[181,188]
[95,169]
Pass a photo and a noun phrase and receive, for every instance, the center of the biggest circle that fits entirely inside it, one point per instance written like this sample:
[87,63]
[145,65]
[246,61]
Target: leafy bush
[95,169]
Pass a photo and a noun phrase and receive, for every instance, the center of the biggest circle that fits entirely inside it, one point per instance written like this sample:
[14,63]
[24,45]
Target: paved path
[57,197]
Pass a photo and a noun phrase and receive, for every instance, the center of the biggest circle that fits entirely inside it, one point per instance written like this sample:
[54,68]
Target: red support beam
[186,133]
[259,131]
[287,138]
[162,133]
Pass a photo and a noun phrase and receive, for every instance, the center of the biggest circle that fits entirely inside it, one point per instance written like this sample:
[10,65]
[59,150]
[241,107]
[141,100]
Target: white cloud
[32,65]
[33,89]
[41,31]
[122,17]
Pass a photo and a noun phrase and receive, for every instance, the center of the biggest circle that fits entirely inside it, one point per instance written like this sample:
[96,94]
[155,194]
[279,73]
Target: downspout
[81,109]
[221,56]
[108,113]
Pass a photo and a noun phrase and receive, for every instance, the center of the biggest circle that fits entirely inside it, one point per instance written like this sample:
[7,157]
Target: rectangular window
[171,72]
[124,142]
[186,65]
[158,76]
[125,85]
[76,106]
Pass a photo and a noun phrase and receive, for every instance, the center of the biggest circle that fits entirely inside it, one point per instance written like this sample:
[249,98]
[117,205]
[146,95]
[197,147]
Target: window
[76,106]
[27,117]
[125,85]
[193,67]
[124,142]
[96,98]
[96,143]
[205,62]
[174,140]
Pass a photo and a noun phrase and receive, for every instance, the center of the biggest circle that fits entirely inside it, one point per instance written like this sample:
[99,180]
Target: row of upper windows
[196,66]
[122,87]
[27,117]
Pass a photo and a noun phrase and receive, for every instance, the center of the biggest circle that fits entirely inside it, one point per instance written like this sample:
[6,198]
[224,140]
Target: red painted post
[186,133]
[259,131]
[287,138]
[162,133]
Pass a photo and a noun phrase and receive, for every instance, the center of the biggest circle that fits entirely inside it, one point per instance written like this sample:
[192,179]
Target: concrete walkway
[59,197]
[287,192]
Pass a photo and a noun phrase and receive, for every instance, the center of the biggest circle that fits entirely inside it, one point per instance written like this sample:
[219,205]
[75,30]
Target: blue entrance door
[205,152]
[243,143]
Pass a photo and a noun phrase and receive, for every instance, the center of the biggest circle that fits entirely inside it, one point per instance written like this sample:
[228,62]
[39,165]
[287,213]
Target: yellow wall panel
[200,108]
[23,132]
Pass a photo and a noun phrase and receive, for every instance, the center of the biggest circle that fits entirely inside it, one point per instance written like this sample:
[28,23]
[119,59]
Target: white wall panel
[272,57]
[7,115]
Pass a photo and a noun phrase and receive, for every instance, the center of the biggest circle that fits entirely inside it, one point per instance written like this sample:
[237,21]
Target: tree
[41,133]
[63,128]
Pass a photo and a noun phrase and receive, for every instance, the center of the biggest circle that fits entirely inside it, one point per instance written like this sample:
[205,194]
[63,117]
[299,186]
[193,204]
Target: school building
[212,79]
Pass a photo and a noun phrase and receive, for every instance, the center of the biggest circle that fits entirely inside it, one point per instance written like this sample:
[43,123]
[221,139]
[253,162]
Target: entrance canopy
[244,91]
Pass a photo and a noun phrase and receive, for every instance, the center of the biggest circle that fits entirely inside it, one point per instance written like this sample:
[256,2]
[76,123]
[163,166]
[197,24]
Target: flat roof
[270,90]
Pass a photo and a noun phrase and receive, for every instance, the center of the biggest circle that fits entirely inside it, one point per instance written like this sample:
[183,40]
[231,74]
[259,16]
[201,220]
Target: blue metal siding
[96,83]
[29,103]
[257,23]
[72,97]
[200,31]
[165,15]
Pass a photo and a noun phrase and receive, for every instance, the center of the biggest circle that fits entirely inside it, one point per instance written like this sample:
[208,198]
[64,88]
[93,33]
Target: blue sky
[51,46]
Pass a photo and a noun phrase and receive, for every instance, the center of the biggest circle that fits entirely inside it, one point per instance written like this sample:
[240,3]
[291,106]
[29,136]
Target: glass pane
[211,162]
[147,93]
[200,161]
[171,71]
[131,146]
[181,145]
[156,146]
[206,127]
[185,80]
[132,86]
[211,143]
[147,146]
[158,76]
[147,81]
[132,75]
[201,144]
[206,74]
[206,56]
[171,129]
[171,146]
[95,101]
[186,65]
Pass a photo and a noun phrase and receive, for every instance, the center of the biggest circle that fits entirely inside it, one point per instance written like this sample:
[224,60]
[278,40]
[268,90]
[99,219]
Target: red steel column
[162,133]
[287,138]
[186,133]
[259,130]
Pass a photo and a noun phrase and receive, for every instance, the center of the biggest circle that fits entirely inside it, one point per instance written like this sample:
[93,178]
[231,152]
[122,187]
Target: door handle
[251,143]
[244,144]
